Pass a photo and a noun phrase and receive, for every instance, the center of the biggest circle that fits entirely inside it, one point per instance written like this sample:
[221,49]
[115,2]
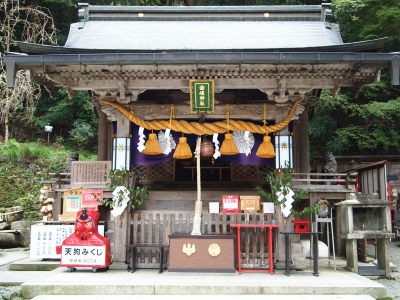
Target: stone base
[118,265]
[280,265]
[299,262]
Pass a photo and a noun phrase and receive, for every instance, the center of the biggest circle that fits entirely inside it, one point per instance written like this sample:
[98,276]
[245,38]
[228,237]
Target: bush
[23,166]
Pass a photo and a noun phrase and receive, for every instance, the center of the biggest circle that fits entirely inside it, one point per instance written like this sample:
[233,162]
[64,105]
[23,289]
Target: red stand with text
[85,247]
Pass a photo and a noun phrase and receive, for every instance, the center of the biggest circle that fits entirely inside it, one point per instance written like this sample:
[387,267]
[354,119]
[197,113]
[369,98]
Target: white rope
[198,206]
[198,169]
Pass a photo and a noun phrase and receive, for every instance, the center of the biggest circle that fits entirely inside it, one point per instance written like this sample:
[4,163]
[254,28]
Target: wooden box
[202,253]
[250,204]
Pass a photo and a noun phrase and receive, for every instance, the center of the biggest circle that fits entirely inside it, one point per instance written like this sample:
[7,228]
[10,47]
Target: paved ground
[162,284]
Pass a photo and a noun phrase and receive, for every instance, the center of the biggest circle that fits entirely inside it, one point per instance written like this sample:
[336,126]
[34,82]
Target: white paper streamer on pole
[167,149]
[246,138]
[216,143]
[141,146]
[166,141]
[286,206]
[120,193]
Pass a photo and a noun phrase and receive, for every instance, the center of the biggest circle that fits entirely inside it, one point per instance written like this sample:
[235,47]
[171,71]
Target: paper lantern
[206,148]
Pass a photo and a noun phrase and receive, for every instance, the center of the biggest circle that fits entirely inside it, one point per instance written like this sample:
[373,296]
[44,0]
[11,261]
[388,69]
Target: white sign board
[45,238]
[268,208]
[213,207]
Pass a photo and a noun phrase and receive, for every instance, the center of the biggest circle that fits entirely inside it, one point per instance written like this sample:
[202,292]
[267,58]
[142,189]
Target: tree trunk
[6,121]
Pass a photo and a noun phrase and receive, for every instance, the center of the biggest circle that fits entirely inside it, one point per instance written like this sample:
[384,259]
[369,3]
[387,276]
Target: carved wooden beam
[182,111]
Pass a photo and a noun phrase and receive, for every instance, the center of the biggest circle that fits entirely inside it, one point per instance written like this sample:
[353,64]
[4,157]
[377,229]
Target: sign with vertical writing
[201,96]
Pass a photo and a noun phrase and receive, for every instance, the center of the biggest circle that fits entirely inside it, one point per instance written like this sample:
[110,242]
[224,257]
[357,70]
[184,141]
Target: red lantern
[206,148]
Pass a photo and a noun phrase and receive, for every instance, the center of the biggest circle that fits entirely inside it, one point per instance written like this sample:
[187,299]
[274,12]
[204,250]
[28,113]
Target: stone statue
[73,156]
[330,165]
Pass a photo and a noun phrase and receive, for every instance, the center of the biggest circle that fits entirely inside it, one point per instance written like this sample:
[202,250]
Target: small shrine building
[264,68]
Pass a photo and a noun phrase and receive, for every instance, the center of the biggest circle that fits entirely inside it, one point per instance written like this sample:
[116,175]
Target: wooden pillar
[121,223]
[301,149]
[103,135]
[285,224]
[110,132]
[282,112]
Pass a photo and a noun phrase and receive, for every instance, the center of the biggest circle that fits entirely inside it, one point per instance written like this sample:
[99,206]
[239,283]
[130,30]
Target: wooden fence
[147,228]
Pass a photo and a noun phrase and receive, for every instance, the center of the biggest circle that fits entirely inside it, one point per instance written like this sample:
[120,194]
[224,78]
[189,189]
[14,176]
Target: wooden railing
[300,180]
[155,229]
[346,181]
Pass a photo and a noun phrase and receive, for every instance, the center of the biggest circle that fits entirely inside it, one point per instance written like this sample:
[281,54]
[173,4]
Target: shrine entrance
[212,170]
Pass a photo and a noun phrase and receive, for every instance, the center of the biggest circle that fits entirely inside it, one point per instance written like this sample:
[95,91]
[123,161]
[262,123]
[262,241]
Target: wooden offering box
[250,204]
[201,253]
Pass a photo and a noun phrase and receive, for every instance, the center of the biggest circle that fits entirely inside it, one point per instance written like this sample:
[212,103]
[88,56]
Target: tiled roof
[201,35]
[149,29]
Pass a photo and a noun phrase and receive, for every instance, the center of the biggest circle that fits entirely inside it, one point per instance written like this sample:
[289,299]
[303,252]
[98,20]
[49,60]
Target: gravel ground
[392,284]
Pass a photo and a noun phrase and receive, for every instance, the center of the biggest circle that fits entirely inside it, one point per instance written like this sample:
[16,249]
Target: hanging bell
[206,148]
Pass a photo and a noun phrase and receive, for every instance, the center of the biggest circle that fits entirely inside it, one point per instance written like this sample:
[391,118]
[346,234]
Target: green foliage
[282,182]
[368,19]
[258,2]
[368,125]
[53,159]
[23,166]
[31,205]
[136,195]
[72,119]
[20,186]
[83,134]
[23,152]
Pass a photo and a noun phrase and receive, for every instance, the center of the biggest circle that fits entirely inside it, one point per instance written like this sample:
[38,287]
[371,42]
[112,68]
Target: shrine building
[247,74]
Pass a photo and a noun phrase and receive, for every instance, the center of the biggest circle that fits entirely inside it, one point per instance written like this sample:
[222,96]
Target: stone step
[148,283]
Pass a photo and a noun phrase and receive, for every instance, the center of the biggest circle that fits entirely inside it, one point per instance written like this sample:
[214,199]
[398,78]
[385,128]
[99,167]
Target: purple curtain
[140,159]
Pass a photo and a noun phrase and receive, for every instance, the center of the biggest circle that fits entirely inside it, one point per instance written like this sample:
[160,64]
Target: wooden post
[121,223]
[301,151]
[285,225]
[103,134]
